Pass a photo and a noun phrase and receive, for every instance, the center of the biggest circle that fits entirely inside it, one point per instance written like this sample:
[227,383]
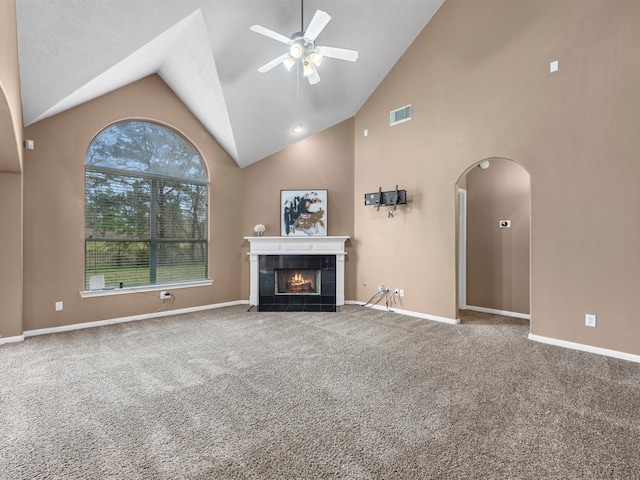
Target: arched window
[146,191]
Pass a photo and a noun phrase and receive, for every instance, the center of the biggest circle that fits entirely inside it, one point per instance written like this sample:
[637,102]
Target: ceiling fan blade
[273,63]
[314,77]
[318,22]
[339,53]
[271,34]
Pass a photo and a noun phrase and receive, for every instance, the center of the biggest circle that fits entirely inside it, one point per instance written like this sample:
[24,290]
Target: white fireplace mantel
[333,245]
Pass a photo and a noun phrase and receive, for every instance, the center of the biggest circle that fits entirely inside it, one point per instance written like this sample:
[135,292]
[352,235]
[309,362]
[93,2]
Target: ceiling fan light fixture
[308,69]
[316,58]
[289,62]
[296,50]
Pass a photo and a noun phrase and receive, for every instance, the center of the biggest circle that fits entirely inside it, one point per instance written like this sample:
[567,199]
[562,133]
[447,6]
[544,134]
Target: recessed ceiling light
[297,128]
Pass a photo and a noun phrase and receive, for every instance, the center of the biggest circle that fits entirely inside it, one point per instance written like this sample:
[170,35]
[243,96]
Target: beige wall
[323,161]
[11,254]
[478,78]
[10,175]
[498,258]
[10,101]
[54,209]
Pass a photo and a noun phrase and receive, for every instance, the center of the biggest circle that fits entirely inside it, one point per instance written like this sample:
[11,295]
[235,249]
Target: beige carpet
[359,394]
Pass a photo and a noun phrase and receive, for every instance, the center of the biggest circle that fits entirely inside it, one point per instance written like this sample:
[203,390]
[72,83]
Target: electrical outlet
[164,294]
[396,292]
[590,320]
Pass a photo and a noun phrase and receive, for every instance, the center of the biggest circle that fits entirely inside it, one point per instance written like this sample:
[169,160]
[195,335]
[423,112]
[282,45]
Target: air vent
[400,115]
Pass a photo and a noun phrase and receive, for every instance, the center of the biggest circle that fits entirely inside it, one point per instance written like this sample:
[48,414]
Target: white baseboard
[493,311]
[585,348]
[133,318]
[424,316]
[17,338]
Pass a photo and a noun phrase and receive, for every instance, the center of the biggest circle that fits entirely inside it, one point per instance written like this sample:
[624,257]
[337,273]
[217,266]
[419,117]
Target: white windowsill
[144,288]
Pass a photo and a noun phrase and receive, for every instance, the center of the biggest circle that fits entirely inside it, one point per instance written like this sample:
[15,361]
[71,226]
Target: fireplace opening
[297,282]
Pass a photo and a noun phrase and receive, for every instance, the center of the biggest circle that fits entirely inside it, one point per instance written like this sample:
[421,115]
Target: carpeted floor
[359,394]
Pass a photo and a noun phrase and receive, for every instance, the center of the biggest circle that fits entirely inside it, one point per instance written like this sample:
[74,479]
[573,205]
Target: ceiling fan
[302,47]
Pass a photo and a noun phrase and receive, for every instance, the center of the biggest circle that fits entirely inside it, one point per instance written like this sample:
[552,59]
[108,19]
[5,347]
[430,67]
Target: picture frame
[303,213]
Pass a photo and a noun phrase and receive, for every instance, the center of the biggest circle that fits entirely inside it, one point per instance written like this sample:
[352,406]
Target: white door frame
[462,248]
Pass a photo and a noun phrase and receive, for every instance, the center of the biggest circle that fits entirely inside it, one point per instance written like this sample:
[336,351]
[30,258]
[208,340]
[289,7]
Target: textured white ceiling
[72,51]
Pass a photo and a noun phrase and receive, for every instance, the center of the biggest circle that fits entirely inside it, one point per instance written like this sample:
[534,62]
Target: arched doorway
[493,241]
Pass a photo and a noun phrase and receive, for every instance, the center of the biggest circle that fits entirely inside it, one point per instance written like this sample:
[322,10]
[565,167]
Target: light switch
[553,66]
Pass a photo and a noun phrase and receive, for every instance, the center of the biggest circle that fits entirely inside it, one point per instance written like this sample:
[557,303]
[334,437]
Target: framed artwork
[303,213]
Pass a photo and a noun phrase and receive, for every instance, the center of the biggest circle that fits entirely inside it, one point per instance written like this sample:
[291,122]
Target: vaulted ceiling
[72,51]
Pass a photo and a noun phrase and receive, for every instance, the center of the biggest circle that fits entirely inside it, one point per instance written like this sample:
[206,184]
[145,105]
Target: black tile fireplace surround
[270,302]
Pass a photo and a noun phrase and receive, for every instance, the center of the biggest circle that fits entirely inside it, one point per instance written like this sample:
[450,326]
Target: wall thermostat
[504,223]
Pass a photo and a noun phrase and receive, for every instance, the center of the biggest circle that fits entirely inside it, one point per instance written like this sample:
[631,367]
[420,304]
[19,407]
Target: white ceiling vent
[400,115]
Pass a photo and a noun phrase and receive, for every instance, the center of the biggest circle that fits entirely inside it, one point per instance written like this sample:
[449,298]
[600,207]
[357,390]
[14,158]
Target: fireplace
[293,281]
[301,261]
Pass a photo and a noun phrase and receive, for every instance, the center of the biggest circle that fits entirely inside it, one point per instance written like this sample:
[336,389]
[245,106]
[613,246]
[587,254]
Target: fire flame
[298,279]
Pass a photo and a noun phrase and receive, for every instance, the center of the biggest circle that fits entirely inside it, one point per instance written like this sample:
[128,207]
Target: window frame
[150,178]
